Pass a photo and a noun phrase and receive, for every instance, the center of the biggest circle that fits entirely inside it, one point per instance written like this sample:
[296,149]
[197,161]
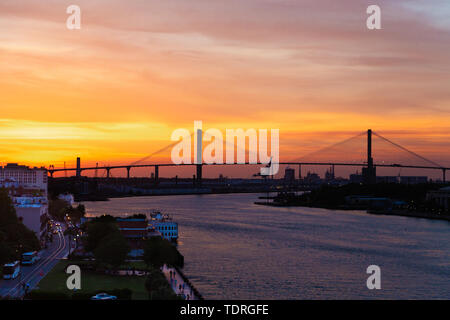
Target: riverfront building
[17,176]
[33,211]
[27,188]
[440,197]
[164,225]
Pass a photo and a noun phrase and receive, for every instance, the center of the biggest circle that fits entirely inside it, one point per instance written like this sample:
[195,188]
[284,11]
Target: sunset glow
[114,91]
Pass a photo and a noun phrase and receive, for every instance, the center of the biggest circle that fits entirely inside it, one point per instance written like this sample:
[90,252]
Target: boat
[163,224]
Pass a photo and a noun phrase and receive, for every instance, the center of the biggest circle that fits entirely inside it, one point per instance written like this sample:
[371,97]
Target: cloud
[305,66]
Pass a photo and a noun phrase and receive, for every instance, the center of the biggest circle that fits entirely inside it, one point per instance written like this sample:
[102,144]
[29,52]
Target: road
[57,250]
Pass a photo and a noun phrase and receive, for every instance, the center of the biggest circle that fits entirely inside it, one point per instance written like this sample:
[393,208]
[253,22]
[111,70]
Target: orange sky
[114,91]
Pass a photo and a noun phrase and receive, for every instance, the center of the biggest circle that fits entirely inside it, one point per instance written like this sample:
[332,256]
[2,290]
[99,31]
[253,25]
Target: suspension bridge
[368,164]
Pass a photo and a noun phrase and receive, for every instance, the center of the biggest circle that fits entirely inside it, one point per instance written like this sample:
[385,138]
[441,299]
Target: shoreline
[108,197]
[419,215]
[400,213]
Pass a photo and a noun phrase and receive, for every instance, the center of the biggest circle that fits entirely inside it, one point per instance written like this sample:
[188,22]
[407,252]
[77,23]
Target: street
[33,274]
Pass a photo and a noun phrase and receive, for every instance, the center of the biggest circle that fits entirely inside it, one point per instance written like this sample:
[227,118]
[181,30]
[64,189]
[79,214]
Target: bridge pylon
[78,171]
[156,175]
[199,174]
[369,173]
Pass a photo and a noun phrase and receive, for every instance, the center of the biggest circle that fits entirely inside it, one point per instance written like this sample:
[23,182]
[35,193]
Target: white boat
[164,225]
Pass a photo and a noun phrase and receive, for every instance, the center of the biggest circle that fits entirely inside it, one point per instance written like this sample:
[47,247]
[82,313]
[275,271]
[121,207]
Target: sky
[114,91]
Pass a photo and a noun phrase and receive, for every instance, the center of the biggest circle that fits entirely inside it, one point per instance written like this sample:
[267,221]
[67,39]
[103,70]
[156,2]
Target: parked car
[103,296]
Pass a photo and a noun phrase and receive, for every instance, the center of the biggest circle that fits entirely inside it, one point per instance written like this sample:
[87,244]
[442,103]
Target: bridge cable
[409,151]
[330,146]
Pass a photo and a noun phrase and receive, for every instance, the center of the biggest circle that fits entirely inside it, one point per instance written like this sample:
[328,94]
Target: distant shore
[411,214]
[402,213]
[82,198]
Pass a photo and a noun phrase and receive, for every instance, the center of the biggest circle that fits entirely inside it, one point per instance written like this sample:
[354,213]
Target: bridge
[368,166]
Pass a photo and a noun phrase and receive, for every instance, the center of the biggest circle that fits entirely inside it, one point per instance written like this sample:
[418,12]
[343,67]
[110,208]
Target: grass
[55,281]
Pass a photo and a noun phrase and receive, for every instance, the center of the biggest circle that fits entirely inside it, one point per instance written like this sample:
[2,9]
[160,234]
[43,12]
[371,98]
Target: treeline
[110,248]
[15,237]
[58,209]
[332,196]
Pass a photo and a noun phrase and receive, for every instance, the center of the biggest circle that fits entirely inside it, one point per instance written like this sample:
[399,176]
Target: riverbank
[403,213]
[162,192]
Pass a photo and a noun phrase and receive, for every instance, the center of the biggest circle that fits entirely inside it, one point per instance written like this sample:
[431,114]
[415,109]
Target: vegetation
[112,250]
[97,230]
[137,216]
[107,243]
[159,251]
[157,286]
[332,196]
[59,208]
[15,237]
[93,282]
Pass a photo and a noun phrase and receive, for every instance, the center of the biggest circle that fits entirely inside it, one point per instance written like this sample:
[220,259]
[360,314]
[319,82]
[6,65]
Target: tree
[96,231]
[159,251]
[112,250]
[6,253]
[15,237]
[57,209]
[157,286]
[7,210]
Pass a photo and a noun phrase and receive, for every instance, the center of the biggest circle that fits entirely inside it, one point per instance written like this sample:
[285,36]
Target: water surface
[235,249]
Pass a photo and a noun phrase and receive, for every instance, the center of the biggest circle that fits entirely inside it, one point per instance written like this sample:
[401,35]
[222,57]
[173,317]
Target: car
[103,296]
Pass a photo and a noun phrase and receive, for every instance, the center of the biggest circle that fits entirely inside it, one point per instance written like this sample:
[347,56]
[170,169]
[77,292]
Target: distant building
[413,179]
[387,179]
[440,197]
[33,211]
[329,174]
[27,188]
[134,229]
[369,202]
[356,178]
[312,178]
[289,175]
[18,176]
[67,197]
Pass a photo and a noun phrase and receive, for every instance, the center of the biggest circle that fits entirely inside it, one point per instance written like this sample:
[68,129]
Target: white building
[28,191]
[67,197]
[33,212]
[441,197]
[18,176]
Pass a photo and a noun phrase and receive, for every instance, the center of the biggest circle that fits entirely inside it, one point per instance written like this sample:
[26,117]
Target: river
[235,249]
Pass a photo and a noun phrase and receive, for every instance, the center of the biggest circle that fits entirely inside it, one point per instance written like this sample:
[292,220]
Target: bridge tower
[78,172]
[369,173]
[199,175]
[156,175]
